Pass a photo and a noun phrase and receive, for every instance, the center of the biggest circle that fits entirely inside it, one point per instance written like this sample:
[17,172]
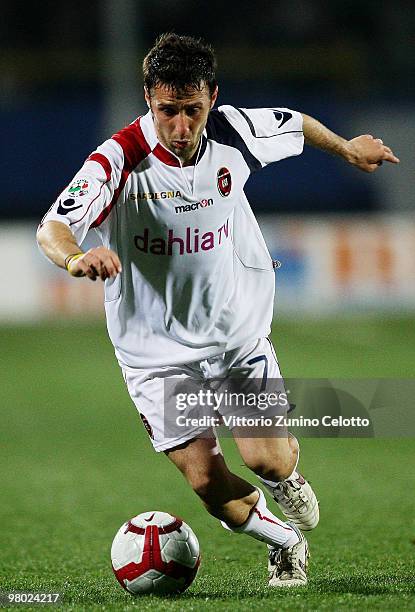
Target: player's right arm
[60,246]
[85,203]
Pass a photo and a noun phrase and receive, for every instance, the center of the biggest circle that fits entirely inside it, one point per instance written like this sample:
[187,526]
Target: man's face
[180,117]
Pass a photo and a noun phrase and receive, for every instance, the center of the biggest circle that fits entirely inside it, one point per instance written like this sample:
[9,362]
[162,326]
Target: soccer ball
[155,552]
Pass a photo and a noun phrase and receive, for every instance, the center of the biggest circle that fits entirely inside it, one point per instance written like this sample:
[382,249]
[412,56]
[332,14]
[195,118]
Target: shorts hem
[168,445]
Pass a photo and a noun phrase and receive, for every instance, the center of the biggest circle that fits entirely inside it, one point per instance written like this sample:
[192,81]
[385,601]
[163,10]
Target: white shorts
[255,361]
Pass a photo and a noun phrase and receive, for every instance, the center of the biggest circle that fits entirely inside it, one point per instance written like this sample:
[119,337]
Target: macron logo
[192,242]
[193,206]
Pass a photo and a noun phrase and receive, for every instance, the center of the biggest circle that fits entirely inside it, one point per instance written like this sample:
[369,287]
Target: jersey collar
[146,124]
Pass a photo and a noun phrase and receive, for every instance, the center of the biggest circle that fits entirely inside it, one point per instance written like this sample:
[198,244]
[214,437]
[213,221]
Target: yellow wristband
[70,259]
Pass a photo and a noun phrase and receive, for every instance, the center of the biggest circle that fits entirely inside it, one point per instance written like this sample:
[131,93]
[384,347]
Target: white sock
[264,526]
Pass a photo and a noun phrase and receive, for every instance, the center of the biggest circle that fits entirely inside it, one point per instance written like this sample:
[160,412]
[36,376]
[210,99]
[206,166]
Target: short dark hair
[181,63]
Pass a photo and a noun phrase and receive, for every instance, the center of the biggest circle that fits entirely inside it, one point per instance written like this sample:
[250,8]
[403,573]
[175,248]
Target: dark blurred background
[70,77]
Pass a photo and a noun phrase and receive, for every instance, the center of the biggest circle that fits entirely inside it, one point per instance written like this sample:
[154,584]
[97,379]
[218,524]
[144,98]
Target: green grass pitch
[76,463]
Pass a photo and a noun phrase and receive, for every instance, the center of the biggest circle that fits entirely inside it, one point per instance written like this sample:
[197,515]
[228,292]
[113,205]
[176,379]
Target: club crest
[224,182]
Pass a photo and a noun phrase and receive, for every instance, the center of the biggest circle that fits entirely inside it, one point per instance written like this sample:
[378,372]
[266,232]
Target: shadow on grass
[377,584]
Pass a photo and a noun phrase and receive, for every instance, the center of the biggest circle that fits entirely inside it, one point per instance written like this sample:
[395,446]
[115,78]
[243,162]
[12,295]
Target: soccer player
[189,282]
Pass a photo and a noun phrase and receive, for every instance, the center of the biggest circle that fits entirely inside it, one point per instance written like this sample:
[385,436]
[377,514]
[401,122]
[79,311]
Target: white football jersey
[197,277]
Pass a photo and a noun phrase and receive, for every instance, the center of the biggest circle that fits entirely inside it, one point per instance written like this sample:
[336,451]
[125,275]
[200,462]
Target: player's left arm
[365,152]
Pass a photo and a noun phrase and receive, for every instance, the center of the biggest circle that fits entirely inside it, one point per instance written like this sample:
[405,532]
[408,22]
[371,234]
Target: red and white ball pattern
[155,552]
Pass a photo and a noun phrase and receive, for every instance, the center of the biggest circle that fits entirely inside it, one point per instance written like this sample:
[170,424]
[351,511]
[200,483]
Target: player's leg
[271,458]
[275,458]
[242,509]
[274,461]
[271,452]
[240,506]
[224,494]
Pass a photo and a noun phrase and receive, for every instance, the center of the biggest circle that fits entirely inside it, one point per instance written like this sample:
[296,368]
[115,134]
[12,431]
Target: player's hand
[368,153]
[99,262]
